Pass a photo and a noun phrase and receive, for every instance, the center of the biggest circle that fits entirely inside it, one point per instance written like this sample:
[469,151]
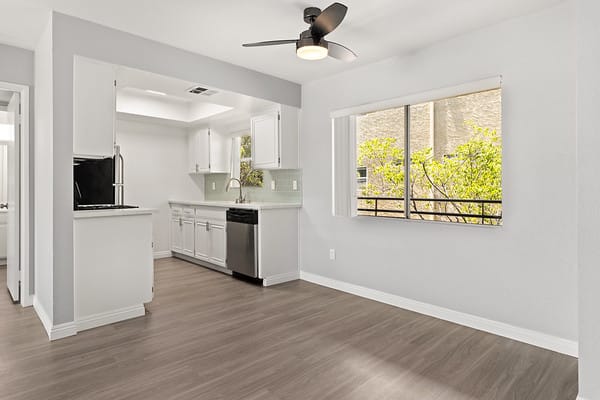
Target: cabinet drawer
[210,213]
[188,213]
[176,211]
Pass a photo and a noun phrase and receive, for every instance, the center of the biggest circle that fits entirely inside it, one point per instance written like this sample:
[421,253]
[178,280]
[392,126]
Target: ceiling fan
[312,44]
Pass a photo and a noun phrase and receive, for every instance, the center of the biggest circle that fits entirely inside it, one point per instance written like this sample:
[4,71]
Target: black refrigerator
[93,182]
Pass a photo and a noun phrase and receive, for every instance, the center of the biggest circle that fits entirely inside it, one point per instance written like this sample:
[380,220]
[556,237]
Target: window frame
[406,102]
[237,159]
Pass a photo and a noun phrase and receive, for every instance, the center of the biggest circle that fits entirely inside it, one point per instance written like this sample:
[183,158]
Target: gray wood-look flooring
[209,336]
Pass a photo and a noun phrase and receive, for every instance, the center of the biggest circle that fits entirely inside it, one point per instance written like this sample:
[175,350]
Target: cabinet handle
[180,221]
[197,167]
[207,226]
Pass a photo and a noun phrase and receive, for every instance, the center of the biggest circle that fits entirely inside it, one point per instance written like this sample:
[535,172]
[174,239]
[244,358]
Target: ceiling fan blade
[328,20]
[270,43]
[340,52]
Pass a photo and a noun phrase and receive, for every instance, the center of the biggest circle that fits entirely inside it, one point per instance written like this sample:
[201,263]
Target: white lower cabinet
[199,233]
[176,234]
[202,249]
[217,243]
[277,244]
[188,237]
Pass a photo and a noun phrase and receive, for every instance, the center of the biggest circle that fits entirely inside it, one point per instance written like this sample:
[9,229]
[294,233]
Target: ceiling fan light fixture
[312,51]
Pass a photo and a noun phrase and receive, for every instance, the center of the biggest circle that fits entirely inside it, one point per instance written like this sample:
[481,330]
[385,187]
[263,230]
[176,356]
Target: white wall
[588,165]
[156,170]
[42,154]
[523,273]
[17,66]
[72,36]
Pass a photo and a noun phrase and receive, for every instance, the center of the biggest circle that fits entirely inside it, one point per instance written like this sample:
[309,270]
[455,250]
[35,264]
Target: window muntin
[455,163]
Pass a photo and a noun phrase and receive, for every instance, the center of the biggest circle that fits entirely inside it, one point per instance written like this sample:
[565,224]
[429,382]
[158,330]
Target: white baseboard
[528,336]
[26,300]
[42,315]
[580,398]
[162,254]
[63,330]
[54,332]
[281,278]
[111,317]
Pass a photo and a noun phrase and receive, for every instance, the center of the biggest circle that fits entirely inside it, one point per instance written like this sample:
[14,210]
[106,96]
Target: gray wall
[43,223]
[72,36]
[588,142]
[524,273]
[16,66]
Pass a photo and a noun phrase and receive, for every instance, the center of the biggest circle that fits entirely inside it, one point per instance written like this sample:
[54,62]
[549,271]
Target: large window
[454,169]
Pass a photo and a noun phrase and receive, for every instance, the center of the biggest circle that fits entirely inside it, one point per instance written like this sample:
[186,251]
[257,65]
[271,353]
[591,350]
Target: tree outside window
[248,176]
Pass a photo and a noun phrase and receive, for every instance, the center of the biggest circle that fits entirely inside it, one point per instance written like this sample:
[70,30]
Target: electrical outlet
[332,254]
[272,185]
[214,186]
[294,185]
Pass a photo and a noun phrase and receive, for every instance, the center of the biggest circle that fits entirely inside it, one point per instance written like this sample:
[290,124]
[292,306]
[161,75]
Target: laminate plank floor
[209,336]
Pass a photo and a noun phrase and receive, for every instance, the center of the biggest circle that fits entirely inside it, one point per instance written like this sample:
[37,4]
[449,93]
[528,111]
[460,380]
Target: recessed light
[155,92]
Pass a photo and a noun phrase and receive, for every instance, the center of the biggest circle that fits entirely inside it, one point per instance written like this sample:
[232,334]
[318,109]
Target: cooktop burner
[82,207]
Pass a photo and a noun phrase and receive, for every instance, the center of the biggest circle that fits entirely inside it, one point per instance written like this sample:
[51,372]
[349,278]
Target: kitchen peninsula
[113,265]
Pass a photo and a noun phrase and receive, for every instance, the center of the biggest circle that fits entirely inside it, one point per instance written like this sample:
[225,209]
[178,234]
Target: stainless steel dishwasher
[242,241]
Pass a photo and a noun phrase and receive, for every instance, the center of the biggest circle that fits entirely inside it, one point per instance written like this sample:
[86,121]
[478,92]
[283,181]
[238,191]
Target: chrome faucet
[241,198]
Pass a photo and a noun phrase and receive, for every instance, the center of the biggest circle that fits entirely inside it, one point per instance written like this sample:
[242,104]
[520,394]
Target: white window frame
[344,183]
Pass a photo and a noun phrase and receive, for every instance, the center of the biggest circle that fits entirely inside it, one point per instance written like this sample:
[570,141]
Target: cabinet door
[202,247]
[217,244]
[220,152]
[199,151]
[93,108]
[176,235]
[265,141]
[188,236]
[193,149]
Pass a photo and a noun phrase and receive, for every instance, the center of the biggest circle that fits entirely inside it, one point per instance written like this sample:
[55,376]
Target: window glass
[248,175]
[455,167]
[380,163]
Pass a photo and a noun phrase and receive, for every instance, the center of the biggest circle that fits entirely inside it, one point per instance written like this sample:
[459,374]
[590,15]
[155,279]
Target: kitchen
[158,164]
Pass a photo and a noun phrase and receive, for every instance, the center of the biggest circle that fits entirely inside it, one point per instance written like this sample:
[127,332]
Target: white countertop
[231,204]
[112,213]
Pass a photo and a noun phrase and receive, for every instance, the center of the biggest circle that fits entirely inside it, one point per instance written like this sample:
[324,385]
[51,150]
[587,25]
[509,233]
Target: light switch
[332,254]
[272,185]
[294,185]
[214,186]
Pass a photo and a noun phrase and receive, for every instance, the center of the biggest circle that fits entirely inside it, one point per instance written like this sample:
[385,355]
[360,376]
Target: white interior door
[13,275]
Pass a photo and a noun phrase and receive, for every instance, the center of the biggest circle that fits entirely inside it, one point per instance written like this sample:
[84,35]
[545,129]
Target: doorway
[14,206]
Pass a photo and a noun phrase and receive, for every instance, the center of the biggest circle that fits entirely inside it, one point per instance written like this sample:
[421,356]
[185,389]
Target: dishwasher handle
[242,216]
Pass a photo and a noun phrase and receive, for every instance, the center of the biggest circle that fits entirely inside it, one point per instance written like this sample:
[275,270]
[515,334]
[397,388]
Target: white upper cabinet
[275,139]
[209,152]
[93,108]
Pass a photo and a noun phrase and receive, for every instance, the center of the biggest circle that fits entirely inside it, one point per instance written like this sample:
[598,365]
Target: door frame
[24,195]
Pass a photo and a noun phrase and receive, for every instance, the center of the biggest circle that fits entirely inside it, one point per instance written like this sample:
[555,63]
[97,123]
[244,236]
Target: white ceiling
[177,106]
[374,29]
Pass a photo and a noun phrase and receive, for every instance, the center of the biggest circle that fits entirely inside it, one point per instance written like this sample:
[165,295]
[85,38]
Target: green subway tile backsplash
[283,193]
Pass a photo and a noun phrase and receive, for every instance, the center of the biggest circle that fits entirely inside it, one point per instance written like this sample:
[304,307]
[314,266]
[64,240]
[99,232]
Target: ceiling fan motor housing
[307,39]
[310,14]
